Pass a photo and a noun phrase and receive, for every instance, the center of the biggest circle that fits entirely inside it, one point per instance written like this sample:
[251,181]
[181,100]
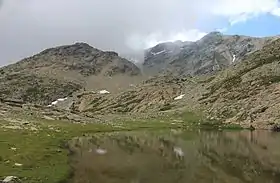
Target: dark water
[177,157]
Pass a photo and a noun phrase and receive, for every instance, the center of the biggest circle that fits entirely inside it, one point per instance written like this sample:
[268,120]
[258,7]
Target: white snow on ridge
[54,102]
[57,100]
[158,52]
[61,99]
[234,58]
[103,92]
[179,97]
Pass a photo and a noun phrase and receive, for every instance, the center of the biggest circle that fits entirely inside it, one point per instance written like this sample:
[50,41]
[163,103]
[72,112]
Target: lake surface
[176,156]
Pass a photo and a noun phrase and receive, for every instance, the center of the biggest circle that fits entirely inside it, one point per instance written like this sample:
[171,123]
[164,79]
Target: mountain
[58,72]
[211,53]
[158,57]
[248,93]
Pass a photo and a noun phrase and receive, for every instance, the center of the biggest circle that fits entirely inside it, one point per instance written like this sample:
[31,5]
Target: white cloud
[120,25]
[222,30]
[276,12]
[139,42]
[188,35]
[241,10]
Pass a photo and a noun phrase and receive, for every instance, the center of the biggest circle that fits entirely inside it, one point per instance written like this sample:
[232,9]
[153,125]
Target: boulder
[11,179]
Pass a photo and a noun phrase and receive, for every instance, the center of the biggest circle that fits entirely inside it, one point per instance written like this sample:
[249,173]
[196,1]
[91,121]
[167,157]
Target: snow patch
[54,102]
[157,53]
[104,92]
[61,99]
[179,97]
[234,58]
[58,100]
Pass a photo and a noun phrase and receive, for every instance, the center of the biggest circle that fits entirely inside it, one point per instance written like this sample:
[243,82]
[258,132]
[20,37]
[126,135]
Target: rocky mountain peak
[79,57]
[78,49]
[211,53]
[58,72]
[211,38]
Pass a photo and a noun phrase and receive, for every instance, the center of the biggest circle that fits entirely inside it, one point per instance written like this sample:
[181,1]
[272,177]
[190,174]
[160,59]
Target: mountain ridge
[78,73]
[72,67]
[210,54]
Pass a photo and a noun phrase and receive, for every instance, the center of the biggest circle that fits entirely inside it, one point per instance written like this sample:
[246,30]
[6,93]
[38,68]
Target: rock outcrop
[11,179]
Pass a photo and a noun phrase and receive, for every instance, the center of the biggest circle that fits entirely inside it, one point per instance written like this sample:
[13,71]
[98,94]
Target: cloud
[276,12]
[32,25]
[222,30]
[137,41]
[125,26]
[241,10]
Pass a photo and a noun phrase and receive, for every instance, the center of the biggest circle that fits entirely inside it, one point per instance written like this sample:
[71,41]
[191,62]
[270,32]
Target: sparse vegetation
[43,154]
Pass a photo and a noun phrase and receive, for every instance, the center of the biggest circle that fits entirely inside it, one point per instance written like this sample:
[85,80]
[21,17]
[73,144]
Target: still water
[176,156]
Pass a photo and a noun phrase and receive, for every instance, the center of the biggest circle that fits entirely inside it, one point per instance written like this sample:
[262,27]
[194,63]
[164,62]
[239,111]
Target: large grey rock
[11,179]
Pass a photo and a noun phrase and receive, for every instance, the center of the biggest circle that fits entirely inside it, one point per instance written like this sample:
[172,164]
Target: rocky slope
[248,93]
[159,56]
[58,72]
[213,52]
[155,94]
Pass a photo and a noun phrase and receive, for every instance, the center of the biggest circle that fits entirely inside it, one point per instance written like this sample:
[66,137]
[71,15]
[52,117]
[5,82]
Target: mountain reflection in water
[177,157]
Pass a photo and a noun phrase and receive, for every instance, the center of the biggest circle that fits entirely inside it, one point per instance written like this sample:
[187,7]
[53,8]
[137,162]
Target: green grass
[198,120]
[42,159]
[191,117]
[232,127]
[43,154]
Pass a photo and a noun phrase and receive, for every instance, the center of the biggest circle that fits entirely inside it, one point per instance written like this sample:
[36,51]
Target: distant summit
[211,53]
[60,71]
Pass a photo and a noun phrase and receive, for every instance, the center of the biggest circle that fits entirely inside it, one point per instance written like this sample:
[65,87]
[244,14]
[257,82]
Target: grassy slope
[43,153]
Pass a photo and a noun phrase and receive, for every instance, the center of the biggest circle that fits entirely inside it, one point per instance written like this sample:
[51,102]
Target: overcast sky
[125,26]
